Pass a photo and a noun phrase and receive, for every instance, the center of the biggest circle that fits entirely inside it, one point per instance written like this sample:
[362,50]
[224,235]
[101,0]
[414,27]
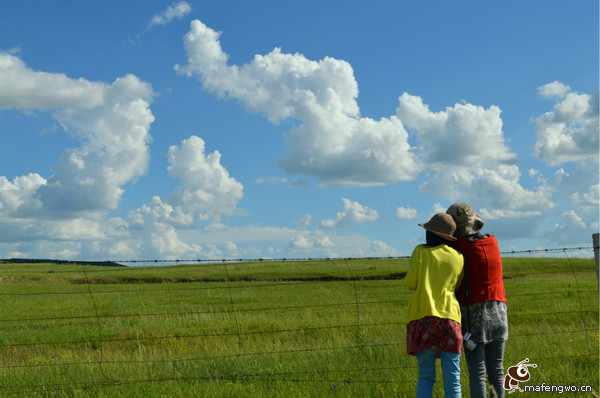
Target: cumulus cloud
[175,10]
[154,229]
[207,191]
[65,215]
[498,191]
[17,197]
[569,132]
[354,213]
[114,151]
[465,135]
[406,213]
[311,241]
[166,241]
[24,88]
[111,121]
[158,211]
[92,236]
[554,89]
[333,143]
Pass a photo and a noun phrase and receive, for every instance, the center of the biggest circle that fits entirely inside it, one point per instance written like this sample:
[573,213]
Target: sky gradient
[185,130]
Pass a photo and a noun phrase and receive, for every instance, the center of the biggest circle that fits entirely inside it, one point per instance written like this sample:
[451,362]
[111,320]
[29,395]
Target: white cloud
[573,229]
[92,236]
[465,135]
[159,212]
[592,197]
[231,249]
[333,143]
[18,197]
[354,213]
[569,132]
[154,229]
[438,208]
[65,215]
[114,151]
[309,241]
[324,242]
[111,121]
[206,191]
[577,191]
[166,241]
[572,218]
[406,213]
[24,88]
[350,152]
[301,242]
[283,181]
[381,249]
[496,191]
[560,174]
[175,10]
[304,222]
[553,90]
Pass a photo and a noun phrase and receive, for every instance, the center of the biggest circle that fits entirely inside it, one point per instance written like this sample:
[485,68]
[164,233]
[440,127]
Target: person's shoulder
[489,239]
[419,248]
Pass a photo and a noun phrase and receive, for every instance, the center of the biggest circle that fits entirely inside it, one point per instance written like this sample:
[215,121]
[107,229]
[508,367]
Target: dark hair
[435,240]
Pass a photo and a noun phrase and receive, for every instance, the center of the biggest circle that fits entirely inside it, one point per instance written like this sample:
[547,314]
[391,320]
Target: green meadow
[266,329]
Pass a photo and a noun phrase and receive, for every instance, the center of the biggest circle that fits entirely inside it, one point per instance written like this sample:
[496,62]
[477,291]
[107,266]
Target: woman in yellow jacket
[433,317]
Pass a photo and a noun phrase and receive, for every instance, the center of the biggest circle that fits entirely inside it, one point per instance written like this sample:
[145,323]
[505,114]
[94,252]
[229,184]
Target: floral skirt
[434,333]
[489,321]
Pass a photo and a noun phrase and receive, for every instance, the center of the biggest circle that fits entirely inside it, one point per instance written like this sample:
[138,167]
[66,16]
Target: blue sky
[233,129]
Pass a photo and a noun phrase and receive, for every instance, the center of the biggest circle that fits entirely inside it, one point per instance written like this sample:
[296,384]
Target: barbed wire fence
[95,329]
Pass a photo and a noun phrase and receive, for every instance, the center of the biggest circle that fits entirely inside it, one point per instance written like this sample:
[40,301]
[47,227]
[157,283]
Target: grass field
[266,329]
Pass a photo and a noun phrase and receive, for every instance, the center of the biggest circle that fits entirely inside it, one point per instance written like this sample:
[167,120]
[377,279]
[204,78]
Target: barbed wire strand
[304,259]
[217,262]
[111,382]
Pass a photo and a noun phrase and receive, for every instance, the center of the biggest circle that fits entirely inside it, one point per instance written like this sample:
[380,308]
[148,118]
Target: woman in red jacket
[482,300]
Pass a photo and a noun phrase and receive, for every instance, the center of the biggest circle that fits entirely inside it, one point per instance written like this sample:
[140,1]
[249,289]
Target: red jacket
[482,258]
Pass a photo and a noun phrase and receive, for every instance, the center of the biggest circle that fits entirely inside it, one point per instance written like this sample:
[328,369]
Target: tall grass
[265,329]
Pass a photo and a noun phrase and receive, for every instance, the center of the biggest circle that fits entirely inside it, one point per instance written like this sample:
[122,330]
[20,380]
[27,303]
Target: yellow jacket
[434,274]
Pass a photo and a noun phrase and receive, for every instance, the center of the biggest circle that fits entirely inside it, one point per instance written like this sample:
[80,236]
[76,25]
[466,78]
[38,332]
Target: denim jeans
[450,373]
[486,359]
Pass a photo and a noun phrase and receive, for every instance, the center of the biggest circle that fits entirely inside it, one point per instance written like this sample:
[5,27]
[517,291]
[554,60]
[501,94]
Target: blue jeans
[450,373]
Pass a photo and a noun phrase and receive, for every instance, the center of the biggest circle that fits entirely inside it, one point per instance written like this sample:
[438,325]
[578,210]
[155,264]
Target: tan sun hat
[441,224]
[467,222]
